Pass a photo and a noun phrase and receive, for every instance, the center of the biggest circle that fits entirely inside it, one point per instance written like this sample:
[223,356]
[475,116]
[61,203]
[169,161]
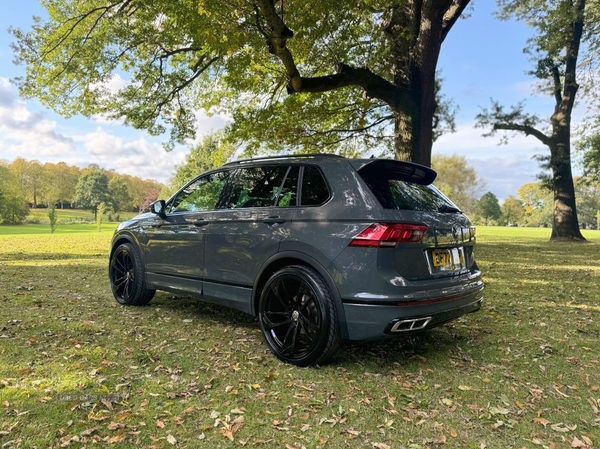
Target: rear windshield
[404,195]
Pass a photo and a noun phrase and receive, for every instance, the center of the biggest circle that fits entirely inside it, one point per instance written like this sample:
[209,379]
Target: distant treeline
[31,184]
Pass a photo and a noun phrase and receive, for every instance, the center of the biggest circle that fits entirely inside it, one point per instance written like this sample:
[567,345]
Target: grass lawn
[76,368]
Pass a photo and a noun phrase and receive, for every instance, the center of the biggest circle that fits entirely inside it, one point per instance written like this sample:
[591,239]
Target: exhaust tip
[413,324]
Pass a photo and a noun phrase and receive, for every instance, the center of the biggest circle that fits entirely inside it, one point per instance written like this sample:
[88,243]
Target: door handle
[200,223]
[274,220]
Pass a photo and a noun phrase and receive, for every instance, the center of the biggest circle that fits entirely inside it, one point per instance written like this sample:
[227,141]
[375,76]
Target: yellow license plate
[451,258]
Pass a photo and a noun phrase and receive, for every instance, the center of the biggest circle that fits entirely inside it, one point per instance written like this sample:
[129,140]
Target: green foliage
[92,189]
[53,218]
[457,180]
[118,189]
[538,202]
[513,211]
[213,151]
[488,207]
[13,204]
[179,57]
[588,201]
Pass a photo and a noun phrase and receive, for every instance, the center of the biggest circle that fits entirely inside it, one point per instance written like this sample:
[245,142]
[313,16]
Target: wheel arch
[119,239]
[287,258]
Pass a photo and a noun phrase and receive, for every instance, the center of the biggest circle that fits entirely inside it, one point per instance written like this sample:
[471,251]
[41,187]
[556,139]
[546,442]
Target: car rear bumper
[374,321]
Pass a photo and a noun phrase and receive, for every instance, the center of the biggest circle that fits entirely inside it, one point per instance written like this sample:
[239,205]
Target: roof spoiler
[404,171]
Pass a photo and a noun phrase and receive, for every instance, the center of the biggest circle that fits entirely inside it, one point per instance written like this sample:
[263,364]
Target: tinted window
[404,195]
[289,192]
[254,187]
[314,187]
[202,194]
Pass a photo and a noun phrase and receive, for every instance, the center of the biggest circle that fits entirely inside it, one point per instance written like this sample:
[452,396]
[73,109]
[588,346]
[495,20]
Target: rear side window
[404,195]
[314,187]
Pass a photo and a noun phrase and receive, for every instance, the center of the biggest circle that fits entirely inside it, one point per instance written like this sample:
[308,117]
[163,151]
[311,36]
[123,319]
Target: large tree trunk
[416,32]
[565,223]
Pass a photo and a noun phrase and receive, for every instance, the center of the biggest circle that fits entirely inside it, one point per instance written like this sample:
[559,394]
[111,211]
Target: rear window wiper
[449,209]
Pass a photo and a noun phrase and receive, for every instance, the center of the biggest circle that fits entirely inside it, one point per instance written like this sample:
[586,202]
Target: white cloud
[139,157]
[28,134]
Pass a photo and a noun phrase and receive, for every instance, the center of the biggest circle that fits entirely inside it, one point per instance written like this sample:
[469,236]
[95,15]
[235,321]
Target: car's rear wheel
[127,279]
[298,318]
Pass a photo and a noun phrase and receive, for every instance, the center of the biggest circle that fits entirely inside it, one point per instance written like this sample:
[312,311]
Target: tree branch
[374,85]
[526,129]
[452,15]
[571,86]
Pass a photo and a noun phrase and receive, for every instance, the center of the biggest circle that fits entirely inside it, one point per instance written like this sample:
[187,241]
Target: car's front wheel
[298,317]
[127,279]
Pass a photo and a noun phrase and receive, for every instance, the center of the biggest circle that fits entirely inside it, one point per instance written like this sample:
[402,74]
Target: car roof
[407,171]
[287,158]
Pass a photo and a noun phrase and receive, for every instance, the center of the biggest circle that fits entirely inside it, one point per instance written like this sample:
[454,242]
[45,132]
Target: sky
[482,58]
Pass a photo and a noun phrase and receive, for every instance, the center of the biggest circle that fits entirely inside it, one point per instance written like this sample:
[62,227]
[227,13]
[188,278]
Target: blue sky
[482,58]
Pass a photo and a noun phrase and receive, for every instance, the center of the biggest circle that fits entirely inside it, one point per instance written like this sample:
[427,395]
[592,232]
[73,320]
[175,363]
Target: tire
[127,278]
[298,318]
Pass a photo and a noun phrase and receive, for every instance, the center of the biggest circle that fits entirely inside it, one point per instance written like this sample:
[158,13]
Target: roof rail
[285,156]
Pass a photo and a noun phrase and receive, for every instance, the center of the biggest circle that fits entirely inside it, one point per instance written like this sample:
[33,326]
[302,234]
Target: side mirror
[158,208]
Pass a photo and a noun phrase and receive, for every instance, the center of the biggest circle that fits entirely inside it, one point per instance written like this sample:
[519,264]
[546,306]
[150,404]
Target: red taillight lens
[389,235]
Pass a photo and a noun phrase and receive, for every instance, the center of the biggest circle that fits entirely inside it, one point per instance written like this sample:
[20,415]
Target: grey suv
[319,247]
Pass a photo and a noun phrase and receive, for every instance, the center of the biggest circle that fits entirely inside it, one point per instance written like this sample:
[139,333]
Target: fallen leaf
[118,438]
[160,424]
[381,446]
[560,427]
[115,426]
[171,439]
[440,440]
[544,422]
[227,433]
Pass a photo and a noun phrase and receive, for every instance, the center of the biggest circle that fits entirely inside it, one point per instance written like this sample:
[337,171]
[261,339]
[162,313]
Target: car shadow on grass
[404,350]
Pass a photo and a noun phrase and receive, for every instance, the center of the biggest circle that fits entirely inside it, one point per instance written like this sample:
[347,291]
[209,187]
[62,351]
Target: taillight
[388,235]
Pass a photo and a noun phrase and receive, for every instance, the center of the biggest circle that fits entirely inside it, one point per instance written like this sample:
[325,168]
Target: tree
[488,207]
[60,182]
[119,193]
[538,201]
[29,175]
[512,211]
[588,201]
[13,204]
[91,190]
[560,28]
[458,181]
[350,68]
[212,152]
[143,192]
[52,218]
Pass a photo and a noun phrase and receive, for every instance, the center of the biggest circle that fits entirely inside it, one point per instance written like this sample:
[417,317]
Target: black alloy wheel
[298,318]
[126,275]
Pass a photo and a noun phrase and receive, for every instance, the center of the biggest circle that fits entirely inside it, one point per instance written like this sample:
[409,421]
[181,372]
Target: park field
[76,368]
[69,216]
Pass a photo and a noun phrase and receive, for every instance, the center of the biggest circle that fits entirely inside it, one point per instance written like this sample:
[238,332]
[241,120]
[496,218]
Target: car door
[175,242]
[254,216]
